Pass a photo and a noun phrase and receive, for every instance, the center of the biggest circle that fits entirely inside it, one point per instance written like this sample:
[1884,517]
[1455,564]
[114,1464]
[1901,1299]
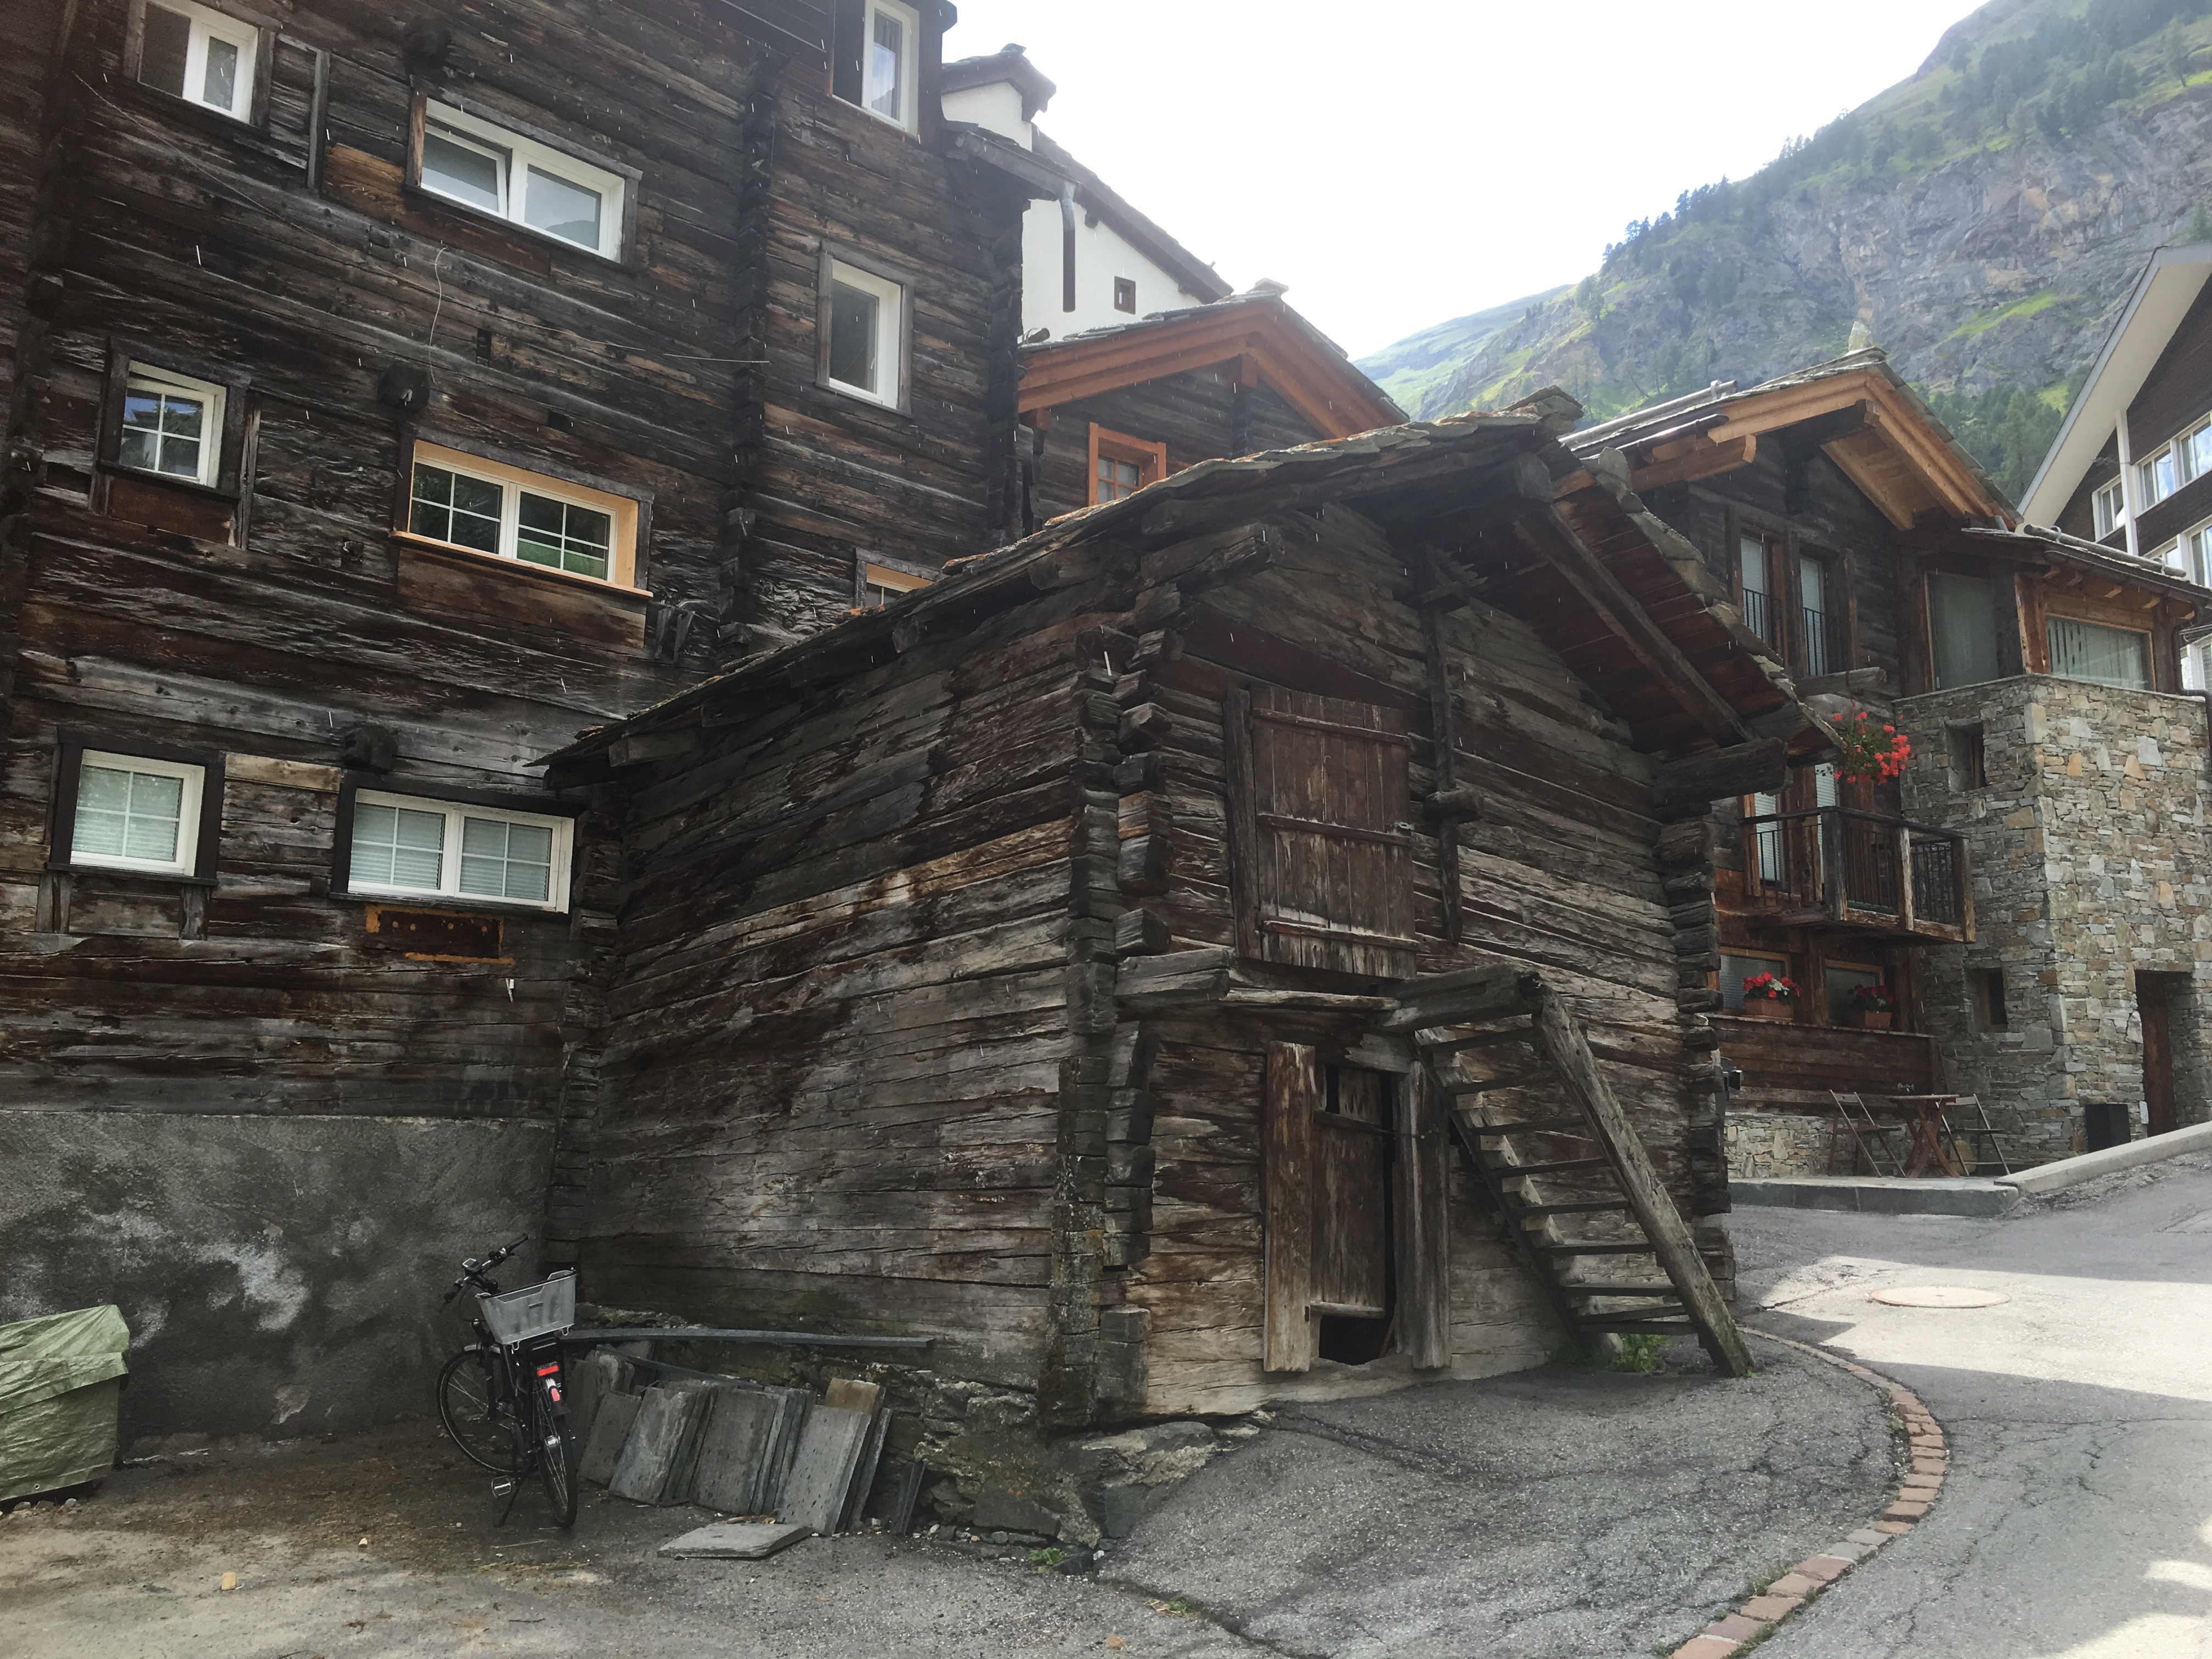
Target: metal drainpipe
[1068,247]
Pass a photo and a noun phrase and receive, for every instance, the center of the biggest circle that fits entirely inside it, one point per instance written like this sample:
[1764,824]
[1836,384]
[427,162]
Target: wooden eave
[1904,466]
[1680,670]
[1260,335]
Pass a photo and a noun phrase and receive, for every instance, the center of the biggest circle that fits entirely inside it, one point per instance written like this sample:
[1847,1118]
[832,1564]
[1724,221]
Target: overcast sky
[1398,162]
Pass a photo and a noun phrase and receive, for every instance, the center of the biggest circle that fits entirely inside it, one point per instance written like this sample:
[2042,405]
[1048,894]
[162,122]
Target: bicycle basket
[539,1311]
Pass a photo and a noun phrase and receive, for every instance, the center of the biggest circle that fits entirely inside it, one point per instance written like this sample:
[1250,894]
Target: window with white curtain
[409,846]
[200,55]
[1962,627]
[2091,651]
[1766,840]
[480,164]
[137,813]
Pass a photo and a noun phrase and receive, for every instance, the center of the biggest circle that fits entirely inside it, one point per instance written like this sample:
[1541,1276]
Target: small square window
[412,847]
[878,57]
[481,165]
[171,425]
[863,323]
[136,813]
[1121,465]
[200,55]
[879,584]
[1124,294]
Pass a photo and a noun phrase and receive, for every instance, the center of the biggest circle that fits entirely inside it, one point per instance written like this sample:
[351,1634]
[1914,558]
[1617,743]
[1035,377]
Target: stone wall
[1769,1146]
[2092,863]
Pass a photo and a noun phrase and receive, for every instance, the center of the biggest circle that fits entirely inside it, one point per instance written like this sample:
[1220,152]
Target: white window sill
[447,901]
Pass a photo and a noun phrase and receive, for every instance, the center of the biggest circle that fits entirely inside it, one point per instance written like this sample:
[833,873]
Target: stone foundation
[1771,1146]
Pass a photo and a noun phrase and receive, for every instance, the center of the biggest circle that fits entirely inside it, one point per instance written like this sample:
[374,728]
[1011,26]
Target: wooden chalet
[1037,963]
[392,392]
[1883,572]
[1112,410]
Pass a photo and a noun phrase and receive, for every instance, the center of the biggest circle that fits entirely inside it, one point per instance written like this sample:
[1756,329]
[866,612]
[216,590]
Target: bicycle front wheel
[556,1461]
[472,1405]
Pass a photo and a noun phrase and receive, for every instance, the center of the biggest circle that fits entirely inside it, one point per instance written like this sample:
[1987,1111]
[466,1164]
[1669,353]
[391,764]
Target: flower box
[1769,1008]
[1872,1019]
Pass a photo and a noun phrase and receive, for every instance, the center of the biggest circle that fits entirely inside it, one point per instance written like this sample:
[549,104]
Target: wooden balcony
[1833,866]
[1791,1067]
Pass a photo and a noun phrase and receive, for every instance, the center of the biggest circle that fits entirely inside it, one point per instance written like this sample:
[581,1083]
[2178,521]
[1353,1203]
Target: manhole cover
[1940,1296]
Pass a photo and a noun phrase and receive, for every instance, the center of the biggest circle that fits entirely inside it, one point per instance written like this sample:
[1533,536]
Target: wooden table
[1924,1115]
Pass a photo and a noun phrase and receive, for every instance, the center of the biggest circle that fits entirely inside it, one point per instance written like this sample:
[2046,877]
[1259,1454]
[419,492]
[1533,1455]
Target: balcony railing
[1864,869]
[1824,642]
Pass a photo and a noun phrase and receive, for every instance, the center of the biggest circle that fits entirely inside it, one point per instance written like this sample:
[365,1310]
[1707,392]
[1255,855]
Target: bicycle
[501,1398]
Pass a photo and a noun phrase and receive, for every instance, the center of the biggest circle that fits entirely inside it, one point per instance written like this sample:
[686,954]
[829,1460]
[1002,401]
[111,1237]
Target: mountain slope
[1984,218]
[1420,363]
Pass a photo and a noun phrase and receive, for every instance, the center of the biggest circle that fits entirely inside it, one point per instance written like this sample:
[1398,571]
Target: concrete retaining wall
[280,1276]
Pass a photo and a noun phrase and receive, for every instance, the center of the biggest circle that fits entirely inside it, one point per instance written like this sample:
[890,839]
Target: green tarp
[60,1382]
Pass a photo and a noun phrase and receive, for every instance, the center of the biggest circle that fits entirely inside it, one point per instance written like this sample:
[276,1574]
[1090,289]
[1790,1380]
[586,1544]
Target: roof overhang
[2169,286]
[1268,343]
[1855,410]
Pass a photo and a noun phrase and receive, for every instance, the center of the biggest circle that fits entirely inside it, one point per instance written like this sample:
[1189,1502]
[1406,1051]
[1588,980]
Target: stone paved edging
[1919,1491]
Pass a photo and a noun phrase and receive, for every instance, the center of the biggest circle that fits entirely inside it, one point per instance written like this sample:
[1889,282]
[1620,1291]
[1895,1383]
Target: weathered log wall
[1199,416]
[834,1057]
[1558,871]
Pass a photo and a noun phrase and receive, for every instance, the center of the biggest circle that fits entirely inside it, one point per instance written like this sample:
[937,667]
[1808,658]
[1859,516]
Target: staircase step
[1608,1249]
[1660,1289]
[1582,1206]
[1501,1170]
[1490,1085]
[1486,1040]
[1522,1129]
[1642,1327]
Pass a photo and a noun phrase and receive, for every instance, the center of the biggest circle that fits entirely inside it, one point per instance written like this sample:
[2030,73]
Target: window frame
[2146,475]
[455,803]
[1832,965]
[894,576]
[1151,459]
[908,120]
[1125,286]
[527,145]
[144,376]
[1968,740]
[631,510]
[205,815]
[2108,508]
[1996,1014]
[260,66]
[2148,637]
[836,264]
[126,359]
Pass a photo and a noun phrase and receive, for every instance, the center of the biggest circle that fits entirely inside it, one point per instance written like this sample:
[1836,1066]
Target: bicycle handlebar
[473,1271]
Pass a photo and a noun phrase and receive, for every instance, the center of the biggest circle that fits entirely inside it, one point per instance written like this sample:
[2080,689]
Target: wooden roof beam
[1689,459]
[1632,625]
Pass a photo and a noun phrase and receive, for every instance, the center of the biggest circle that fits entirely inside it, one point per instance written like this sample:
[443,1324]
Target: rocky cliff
[1984,218]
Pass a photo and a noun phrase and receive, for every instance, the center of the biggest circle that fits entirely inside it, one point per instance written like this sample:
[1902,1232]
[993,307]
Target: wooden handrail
[1894,822]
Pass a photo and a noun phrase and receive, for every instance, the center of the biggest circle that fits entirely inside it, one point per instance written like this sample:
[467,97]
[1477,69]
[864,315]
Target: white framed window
[865,319]
[199,54]
[2194,447]
[2193,657]
[136,813]
[411,846]
[883,73]
[481,165]
[2193,553]
[465,501]
[2159,475]
[172,424]
[2092,651]
[2109,508]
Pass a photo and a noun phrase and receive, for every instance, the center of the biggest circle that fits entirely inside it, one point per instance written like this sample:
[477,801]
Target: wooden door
[1320,804]
[1353,1175]
[2158,1060]
[1352,1196]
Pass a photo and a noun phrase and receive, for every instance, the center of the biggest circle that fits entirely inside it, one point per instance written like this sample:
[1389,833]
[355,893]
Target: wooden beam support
[1632,624]
[1692,459]
[1688,787]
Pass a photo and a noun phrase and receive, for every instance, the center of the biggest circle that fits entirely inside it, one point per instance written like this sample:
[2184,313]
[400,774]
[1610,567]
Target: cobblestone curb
[1923,1482]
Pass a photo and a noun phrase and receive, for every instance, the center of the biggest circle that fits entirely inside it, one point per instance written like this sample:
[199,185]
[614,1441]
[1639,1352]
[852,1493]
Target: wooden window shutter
[1322,852]
[1294,1095]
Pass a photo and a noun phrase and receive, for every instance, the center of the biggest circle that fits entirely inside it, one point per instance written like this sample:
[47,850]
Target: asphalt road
[2076,1521]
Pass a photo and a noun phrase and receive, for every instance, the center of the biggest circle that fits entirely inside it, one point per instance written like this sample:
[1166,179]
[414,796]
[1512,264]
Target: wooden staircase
[1560,1160]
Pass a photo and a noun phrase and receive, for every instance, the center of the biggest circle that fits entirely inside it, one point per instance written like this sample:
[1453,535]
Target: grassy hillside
[1984,217]
[1417,367]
